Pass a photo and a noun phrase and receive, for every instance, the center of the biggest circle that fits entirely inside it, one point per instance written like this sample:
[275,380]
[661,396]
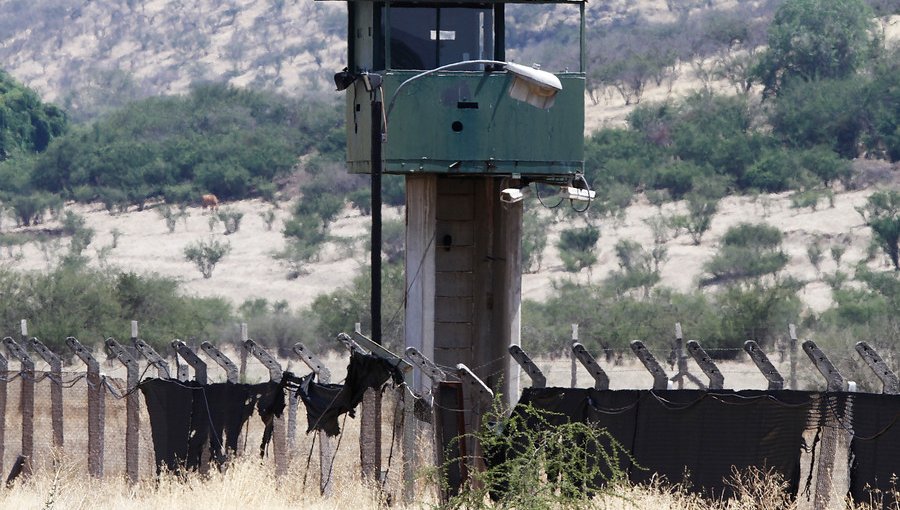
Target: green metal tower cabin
[460,120]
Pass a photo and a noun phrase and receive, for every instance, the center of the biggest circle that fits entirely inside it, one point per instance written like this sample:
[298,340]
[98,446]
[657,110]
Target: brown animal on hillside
[210,200]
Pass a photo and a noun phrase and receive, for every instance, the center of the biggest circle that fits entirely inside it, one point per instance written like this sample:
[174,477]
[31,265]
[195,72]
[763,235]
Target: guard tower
[430,95]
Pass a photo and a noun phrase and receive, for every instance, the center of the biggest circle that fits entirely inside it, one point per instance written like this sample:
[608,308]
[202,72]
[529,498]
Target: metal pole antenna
[376,218]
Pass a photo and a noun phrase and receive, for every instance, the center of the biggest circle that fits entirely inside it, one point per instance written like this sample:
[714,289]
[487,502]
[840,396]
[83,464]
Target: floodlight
[533,86]
[579,194]
[344,79]
[515,195]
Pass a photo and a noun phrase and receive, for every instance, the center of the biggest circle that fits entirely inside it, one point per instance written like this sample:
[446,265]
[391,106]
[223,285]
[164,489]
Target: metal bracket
[660,380]
[483,396]
[83,354]
[601,380]
[889,381]
[191,358]
[381,352]
[776,381]
[275,371]
[48,355]
[231,370]
[834,378]
[161,365]
[350,344]
[16,351]
[707,365]
[537,377]
[306,356]
[425,365]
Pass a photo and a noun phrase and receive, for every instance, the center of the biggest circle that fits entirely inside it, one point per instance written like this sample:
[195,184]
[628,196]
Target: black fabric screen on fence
[875,448]
[701,433]
[186,418]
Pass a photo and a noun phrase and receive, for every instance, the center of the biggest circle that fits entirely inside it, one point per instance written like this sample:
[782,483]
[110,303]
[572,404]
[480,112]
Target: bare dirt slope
[145,245]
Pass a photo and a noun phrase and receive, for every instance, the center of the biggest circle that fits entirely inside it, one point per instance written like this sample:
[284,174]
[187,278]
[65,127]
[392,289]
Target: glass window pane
[412,44]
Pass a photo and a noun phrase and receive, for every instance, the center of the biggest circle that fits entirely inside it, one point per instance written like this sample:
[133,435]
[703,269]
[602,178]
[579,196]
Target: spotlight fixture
[579,194]
[533,86]
[344,79]
[515,195]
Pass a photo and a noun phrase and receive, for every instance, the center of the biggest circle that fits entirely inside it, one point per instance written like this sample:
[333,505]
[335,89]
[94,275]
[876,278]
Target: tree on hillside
[26,124]
[815,39]
[748,251]
[882,215]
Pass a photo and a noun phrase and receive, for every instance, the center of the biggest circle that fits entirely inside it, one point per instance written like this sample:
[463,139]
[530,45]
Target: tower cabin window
[423,38]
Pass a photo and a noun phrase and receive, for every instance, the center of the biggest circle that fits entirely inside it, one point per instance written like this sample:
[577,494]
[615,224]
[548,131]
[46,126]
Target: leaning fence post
[4,379]
[279,436]
[132,405]
[56,397]
[326,449]
[95,405]
[706,364]
[191,358]
[660,380]
[27,400]
[776,382]
[231,370]
[680,356]
[537,377]
[601,380]
[889,383]
[835,382]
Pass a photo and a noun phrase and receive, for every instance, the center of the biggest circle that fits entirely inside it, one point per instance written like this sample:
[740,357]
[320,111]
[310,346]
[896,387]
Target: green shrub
[882,214]
[30,209]
[231,218]
[577,247]
[747,251]
[206,254]
[534,240]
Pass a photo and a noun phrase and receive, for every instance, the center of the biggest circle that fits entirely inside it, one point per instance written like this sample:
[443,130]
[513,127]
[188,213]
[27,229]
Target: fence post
[279,437]
[231,370]
[481,397]
[26,401]
[132,405]
[776,382]
[792,352]
[601,380]
[326,449]
[573,383]
[243,354]
[537,377]
[191,358]
[369,422]
[660,380]
[409,424]
[889,383]
[56,396]
[95,405]
[828,449]
[680,356]
[707,365]
[4,379]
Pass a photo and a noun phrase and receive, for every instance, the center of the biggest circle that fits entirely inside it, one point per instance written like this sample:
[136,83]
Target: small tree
[747,251]
[206,254]
[171,216]
[231,219]
[882,215]
[577,247]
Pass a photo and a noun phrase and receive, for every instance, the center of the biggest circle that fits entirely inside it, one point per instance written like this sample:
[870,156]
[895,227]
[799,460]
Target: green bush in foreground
[535,463]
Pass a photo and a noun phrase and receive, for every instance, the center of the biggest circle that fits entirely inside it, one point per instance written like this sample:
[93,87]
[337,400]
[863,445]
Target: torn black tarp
[187,417]
[326,402]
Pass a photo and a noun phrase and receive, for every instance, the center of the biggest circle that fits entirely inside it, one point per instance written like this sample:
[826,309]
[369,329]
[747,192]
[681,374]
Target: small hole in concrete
[457,126]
